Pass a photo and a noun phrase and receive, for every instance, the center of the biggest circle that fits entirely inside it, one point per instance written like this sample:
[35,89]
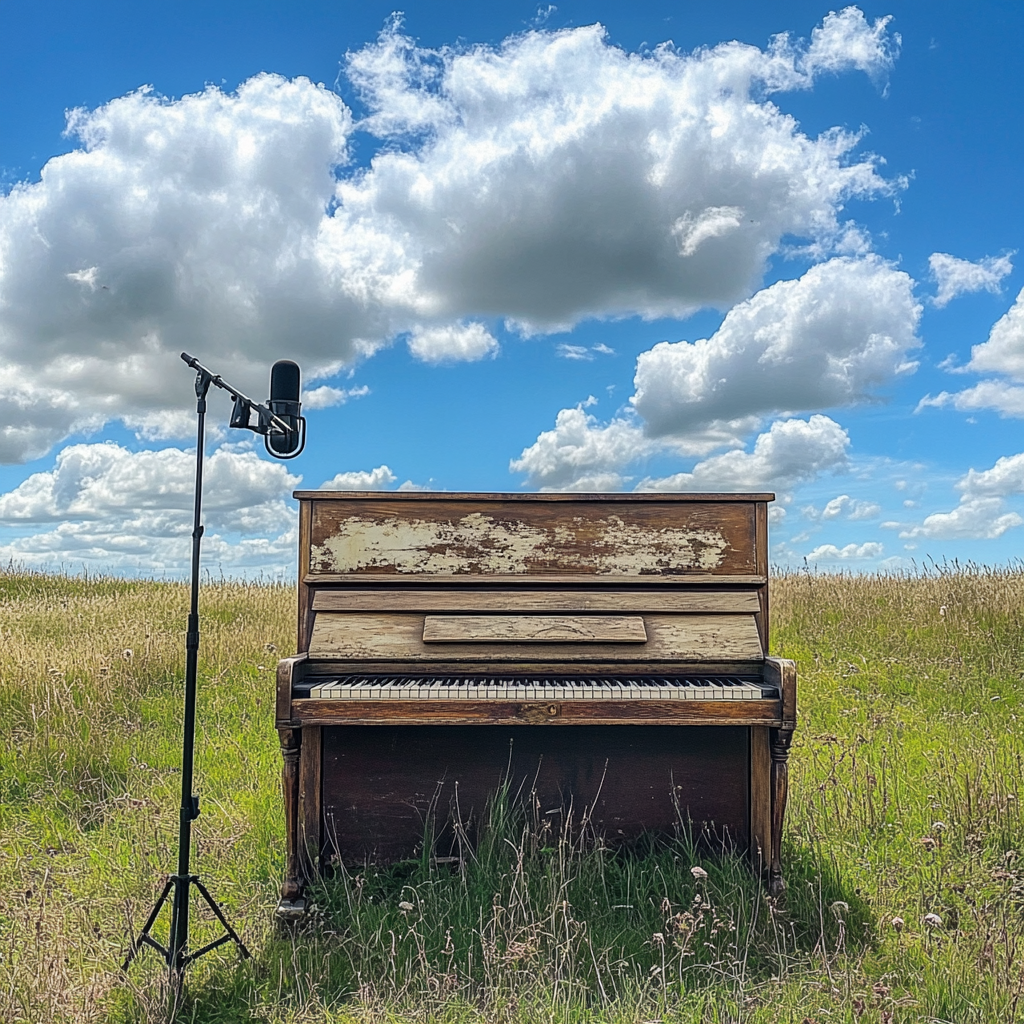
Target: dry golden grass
[906,779]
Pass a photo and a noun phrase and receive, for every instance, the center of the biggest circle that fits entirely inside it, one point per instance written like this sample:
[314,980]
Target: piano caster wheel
[291,911]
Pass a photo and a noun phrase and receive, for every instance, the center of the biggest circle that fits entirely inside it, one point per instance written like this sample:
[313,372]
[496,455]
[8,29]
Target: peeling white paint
[478,544]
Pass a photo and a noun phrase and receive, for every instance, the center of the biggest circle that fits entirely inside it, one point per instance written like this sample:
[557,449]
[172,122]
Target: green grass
[905,802]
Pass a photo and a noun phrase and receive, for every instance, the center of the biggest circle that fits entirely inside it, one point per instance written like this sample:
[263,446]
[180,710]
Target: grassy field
[904,847]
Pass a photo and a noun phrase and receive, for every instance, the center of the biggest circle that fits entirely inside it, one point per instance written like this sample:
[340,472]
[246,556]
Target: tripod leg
[213,905]
[144,935]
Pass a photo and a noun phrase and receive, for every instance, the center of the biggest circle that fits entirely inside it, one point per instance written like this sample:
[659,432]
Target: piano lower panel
[381,786]
[717,713]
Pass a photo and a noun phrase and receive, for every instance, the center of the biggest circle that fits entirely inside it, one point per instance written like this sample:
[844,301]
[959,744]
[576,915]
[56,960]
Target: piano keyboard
[539,688]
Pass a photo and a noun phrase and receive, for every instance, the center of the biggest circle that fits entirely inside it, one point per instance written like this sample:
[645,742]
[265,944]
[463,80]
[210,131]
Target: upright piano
[603,655]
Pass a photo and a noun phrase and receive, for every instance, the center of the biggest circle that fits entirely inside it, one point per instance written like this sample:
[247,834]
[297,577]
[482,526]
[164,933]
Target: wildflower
[666,905]
[658,939]
[898,923]
[942,610]
[927,842]
[127,654]
[933,920]
[405,906]
[699,873]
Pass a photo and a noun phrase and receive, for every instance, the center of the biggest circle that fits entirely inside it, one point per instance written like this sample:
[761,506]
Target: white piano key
[539,688]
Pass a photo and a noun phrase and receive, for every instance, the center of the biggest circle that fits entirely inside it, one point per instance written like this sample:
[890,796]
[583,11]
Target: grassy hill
[904,851]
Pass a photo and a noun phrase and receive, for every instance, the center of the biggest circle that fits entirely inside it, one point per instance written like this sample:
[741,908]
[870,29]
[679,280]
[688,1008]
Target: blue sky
[513,251]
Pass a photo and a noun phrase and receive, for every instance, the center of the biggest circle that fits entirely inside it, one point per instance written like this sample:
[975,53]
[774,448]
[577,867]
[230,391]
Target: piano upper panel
[607,537]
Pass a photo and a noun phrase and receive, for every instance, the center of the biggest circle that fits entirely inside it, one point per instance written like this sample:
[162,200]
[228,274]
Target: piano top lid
[413,496]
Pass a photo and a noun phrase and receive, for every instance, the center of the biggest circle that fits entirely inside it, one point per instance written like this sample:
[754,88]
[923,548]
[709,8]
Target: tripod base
[178,959]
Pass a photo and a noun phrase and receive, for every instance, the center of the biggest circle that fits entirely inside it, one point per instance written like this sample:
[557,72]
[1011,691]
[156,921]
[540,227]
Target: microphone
[284,404]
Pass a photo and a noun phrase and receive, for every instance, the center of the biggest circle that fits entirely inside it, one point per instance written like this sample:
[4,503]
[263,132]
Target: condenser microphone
[284,404]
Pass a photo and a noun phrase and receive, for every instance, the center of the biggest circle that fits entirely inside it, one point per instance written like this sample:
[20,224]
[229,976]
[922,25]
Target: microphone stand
[176,954]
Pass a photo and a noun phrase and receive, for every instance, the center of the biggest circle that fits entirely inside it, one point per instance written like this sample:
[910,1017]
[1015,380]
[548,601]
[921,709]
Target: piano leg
[292,906]
[781,739]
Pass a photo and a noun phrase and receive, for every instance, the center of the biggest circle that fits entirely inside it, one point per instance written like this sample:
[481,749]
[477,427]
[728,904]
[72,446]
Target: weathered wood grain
[508,629]
[528,580]
[760,798]
[488,537]
[539,664]
[781,672]
[383,789]
[310,815]
[707,601]
[393,636]
[289,672]
[569,712]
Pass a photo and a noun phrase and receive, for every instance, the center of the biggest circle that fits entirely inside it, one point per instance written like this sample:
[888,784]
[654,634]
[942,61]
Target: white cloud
[845,40]
[972,519]
[982,512]
[826,339]
[452,343]
[1004,478]
[1002,353]
[579,454]
[831,553]
[562,177]
[324,397]
[822,340]
[790,452]
[361,480]
[1004,350]
[999,395]
[121,510]
[575,352]
[845,507]
[955,276]
[548,179]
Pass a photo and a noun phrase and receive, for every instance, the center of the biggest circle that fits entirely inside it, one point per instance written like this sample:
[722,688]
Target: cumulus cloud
[1004,350]
[831,553]
[790,452]
[982,512]
[562,177]
[544,180]
[324,397]
[999,395]
[972,519]
[121,510]
[844,507]
[452,343]
[1004,478]
[1002,353]
[187,224]
[360,480]
[581,455]
[955,276]
[826,339]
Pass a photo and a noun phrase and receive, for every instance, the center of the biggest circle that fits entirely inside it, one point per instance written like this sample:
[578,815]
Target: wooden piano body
[604,653]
